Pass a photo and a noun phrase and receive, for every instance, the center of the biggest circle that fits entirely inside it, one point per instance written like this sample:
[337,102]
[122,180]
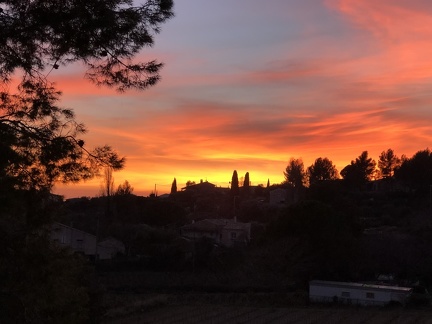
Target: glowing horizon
[249,87]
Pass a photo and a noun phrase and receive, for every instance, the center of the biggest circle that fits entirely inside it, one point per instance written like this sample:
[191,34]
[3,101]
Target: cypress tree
[234,184]
[174,186]
[246,182]
[246,185]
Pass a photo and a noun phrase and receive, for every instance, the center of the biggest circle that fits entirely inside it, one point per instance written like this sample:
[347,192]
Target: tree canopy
[416,172]
[294,173]
[322,169]
[104,35]
[388,162]
[41,141]
[190,183]
[124,189]
[359,171]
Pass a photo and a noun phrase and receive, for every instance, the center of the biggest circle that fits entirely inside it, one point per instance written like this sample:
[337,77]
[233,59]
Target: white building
[79,241]
[226,232]
[85,243]
[357,293]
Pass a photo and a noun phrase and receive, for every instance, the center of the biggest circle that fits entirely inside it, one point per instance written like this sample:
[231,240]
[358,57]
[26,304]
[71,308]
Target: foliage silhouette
[124,189]
[317,222]
[322,169]
[388,162]
[174,186]
[107,187]
[104,35]
[190,183]
[295,174]
[360,171]
[235,191]
[416,172]
[246,186]
[323,232]
[40,142]
[246,182]
[44,277]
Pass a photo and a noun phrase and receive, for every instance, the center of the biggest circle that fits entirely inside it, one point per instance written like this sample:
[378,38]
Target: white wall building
[357,293]
[226,232]
[79,241]
[85,243]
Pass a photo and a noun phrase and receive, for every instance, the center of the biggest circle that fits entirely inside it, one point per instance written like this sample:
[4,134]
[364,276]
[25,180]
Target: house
[79,241]
[226,232]
[357,293]
[85,243]
[201,187]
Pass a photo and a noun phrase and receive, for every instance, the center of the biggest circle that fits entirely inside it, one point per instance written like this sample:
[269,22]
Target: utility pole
[430,200]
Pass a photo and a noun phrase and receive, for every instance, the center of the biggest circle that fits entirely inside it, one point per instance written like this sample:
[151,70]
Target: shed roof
[211,225]
[355,285]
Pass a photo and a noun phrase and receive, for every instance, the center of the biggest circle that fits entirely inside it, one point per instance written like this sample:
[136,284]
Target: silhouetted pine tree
[360,171]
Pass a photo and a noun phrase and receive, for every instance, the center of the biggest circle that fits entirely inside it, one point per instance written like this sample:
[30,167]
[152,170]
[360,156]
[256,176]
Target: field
[249,308]
[149,297]
[231,314]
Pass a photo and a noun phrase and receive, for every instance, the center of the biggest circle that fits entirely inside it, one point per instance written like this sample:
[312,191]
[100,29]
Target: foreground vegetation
[42,143]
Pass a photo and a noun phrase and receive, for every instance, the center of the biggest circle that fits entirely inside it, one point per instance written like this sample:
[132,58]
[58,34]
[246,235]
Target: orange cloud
[362,84]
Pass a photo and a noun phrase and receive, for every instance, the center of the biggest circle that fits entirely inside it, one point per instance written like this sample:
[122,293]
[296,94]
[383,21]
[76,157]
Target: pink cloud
[361,84]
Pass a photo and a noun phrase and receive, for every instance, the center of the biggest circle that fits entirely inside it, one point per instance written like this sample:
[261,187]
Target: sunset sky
[248,84]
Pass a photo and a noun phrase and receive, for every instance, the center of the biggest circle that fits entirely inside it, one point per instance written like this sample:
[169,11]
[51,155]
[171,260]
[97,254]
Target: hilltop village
[198,212]
[274,236]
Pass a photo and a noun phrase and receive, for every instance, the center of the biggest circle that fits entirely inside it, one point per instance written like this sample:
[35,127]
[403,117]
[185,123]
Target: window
[80,244]
[370,295]
[345,294]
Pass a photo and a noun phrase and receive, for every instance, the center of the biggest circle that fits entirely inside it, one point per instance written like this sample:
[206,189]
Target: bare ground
[249,308]
[234,314]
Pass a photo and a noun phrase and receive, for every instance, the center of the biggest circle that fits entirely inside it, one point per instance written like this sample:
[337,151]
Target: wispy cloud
[248,84]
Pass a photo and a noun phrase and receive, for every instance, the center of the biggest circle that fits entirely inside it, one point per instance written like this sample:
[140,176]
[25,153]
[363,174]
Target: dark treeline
[372,221]
[413,173]
[376,219]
